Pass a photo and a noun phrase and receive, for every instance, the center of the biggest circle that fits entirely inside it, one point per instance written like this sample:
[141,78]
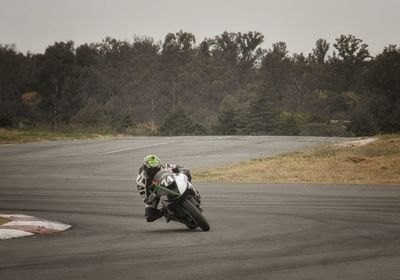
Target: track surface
[257,231]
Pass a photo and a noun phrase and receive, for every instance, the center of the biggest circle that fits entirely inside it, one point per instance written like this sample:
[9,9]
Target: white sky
[35,24]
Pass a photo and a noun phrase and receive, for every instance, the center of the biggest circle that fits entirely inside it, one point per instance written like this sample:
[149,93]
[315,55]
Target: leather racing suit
[144,183]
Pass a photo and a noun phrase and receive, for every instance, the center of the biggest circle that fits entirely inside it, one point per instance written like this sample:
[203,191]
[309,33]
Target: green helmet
[151,165]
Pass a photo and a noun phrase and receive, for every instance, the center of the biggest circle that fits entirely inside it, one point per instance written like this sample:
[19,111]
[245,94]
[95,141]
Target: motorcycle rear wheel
[195,213]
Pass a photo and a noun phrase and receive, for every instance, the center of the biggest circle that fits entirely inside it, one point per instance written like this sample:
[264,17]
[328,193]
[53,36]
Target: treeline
[227,84]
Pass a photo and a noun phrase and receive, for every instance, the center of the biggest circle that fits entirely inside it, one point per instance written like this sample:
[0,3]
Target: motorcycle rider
[151,165]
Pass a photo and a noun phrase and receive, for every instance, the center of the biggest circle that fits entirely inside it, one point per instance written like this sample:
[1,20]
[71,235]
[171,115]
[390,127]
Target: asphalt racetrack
[257,231]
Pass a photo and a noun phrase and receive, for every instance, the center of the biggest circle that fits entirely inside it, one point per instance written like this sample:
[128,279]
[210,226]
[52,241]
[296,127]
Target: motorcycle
[180,201]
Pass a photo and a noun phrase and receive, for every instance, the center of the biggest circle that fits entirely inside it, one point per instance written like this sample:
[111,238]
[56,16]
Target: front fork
[195,198]
[170,208]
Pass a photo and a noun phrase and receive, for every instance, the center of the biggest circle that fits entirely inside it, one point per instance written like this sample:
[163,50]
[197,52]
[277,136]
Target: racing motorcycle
[180,201]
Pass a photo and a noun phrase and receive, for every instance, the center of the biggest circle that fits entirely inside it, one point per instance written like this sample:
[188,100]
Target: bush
[177,123]
[113,116]
[363,122]
[321,129]
[291,123]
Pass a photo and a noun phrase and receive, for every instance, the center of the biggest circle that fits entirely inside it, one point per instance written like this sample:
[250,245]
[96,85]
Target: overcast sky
[35,24]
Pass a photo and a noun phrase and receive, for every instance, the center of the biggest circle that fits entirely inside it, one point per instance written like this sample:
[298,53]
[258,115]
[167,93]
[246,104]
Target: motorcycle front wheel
[196,215]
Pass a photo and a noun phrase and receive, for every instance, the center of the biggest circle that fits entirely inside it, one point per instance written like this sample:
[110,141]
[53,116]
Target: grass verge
[23,136]
[375,163]
[3,221]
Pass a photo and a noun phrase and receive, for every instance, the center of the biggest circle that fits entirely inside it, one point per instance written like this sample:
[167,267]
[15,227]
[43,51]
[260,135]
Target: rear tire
[196,215]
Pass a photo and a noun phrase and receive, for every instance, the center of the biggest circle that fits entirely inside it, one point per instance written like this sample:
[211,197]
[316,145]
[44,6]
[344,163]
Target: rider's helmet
[151,165]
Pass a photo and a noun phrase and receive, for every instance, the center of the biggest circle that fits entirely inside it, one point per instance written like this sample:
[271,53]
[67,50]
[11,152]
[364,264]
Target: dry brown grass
[3,221]
[374,163]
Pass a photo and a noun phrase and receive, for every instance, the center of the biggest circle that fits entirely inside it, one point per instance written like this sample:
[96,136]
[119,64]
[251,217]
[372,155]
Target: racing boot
[151,214]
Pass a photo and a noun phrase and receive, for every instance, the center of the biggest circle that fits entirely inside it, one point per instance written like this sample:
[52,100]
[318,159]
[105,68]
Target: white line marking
[219,138]
[135,148]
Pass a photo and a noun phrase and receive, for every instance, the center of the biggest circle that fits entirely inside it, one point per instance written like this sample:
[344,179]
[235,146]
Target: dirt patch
[355,159]
[355,143]
[377,162]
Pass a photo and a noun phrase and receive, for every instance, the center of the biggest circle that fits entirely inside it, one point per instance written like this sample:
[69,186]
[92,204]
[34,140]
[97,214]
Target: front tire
[195,213]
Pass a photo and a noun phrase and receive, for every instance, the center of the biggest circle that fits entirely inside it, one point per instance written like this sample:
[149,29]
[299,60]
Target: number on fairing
[167,181]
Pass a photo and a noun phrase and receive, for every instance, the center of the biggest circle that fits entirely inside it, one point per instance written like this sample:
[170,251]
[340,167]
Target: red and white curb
[23,225]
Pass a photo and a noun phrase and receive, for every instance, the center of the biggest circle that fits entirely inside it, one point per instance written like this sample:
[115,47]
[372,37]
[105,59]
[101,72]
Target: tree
[262,116]
[56,66]
[274,73]
[362,121]
[299,82]
[226,47]
[227,122]
[178,45]
[178,123]
[249,49]
[382,83]
[228,83]
[114,116]
[86,55]
[346,68]
[320,51]
[351,49]
[177,51]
